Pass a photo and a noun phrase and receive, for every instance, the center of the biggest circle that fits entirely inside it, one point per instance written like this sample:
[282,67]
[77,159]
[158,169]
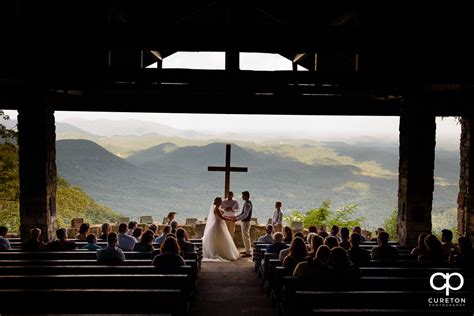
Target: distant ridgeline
[71,201]
[169,177]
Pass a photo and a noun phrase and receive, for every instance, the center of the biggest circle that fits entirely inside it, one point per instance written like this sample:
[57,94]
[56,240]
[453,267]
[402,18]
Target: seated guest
[311,230]
[331,242]
[174,227]
[183,242]
[137,233]
[268,236]
[316,242]
[334,232]
[358,230]
[4,242]
[83,232]
[314,268]
[91,243]
[447,242]
[465,259]
[297,253]
[131,227]
[162,237]
[341,268]
[277,245]
[345,239]
[288,234]
[323,233]
[384,252]
[360,257]
[125,242]
[111,253]
[153,228]
[284,252]
[62,243]
[434,251]
[105,229]
[169,258]
[377,232]
[146,242]
[308,238]
[34,244]
[420,248]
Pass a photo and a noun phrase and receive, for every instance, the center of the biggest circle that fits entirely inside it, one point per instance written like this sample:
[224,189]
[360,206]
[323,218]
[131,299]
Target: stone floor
[230,289]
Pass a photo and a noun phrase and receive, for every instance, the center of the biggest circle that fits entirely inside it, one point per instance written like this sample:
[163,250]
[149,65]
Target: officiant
[231,207]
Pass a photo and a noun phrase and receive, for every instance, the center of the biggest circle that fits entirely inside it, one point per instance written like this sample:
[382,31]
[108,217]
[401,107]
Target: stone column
[416,167]
[37,153]
[466,186]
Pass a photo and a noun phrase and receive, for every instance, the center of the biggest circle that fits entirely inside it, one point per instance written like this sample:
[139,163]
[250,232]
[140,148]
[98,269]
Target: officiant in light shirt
[230,207]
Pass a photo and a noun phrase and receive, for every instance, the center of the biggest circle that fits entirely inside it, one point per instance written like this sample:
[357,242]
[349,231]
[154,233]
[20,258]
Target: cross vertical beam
[227,169]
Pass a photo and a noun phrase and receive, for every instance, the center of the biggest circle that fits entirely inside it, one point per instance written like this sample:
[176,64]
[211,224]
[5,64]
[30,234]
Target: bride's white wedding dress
[217,244]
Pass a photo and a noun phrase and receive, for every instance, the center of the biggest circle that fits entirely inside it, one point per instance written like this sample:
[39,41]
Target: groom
[245,217]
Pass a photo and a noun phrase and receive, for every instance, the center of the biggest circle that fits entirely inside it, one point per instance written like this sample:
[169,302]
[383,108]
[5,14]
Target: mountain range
[169,177]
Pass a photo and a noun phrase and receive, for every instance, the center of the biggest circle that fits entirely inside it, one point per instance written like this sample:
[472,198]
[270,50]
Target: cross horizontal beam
[235,169]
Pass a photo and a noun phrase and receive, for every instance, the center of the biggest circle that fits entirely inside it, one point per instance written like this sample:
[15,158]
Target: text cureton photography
[441,282]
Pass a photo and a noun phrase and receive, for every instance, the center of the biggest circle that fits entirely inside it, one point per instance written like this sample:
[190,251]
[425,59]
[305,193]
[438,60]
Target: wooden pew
[80,300]
[292,287]
[88,270]
[310,302]
[103,281]
[128,262]
[138,266]
[73,254]
[384,311]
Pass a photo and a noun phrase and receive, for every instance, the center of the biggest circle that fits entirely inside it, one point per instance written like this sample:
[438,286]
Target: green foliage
[444,220]
[10,215]
[324,215]
[9,182]
[73,202]
[7,134]
[390,224]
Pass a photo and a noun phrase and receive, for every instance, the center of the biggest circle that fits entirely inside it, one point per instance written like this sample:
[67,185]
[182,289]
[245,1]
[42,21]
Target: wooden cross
[227,169]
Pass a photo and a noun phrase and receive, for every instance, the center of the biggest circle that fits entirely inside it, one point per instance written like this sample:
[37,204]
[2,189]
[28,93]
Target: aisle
[230,289]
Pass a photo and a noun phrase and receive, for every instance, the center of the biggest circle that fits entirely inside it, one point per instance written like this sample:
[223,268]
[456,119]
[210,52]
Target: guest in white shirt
[162,237]
[4,242]
[125,242]
[230,207]
[277,219]
[268,237]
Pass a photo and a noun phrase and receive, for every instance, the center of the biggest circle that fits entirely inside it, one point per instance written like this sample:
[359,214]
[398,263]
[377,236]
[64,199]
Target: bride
[218,244]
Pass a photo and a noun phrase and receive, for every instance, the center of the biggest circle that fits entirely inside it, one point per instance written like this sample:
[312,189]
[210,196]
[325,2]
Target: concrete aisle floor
[230,289]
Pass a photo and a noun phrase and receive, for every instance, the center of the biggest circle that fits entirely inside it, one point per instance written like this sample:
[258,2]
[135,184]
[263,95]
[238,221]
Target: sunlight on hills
[321,155]
[360,187]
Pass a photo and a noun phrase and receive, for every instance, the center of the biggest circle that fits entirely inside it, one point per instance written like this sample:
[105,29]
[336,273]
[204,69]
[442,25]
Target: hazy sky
[278,125]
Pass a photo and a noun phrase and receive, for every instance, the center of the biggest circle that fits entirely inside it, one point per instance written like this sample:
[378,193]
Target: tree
[390,224]
[327,217]
[9,181]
